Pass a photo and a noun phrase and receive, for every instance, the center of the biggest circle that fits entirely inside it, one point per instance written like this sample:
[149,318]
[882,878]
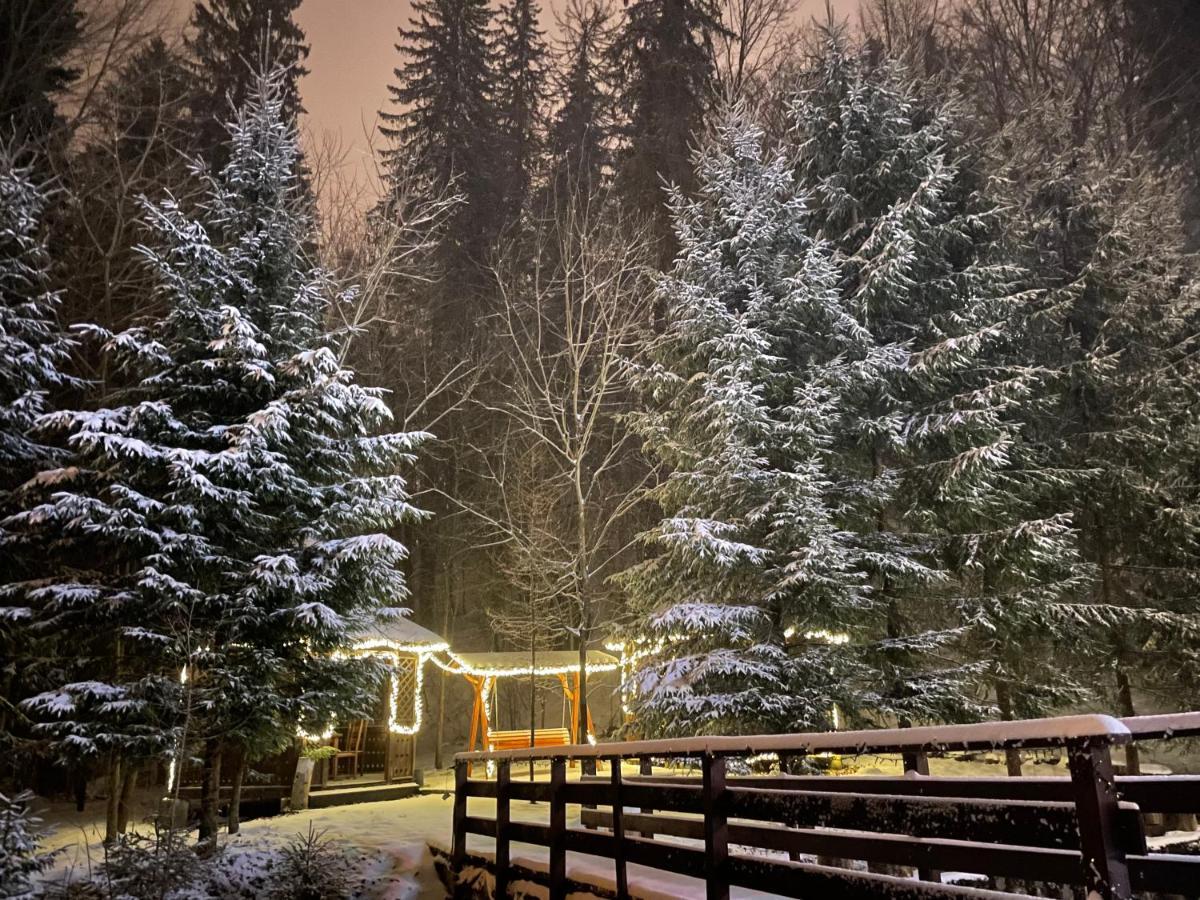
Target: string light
[457,665]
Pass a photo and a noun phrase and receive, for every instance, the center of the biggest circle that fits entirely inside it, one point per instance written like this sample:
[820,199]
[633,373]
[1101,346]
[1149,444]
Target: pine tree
[231,517]
[663,58]
[754,575]
[32,348]
[141,144]
[581,131]
[33,354]
[519,62]
[231,41]
[1120,334]
[445,122]
[36,38]
[922,260]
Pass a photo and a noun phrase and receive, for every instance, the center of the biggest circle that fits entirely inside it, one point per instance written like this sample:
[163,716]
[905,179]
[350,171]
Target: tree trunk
[1133,760]
[210,791]
[440,736]
[1012,757]
[111,818]
[532,682]
[235,791]
[128,783]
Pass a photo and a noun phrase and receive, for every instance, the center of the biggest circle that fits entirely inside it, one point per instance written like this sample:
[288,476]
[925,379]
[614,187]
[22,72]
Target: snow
[1027,732]
[389,841]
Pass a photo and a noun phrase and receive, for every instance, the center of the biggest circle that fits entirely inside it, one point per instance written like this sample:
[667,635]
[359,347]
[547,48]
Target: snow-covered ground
[388,840]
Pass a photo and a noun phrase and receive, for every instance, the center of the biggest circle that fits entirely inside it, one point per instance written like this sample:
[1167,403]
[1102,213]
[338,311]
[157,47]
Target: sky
[350,65]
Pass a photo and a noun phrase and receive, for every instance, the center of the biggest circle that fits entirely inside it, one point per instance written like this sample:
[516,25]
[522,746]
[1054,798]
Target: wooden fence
[1085,830]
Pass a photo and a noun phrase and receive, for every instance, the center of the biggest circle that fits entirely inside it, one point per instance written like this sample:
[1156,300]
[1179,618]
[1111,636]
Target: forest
[838,370]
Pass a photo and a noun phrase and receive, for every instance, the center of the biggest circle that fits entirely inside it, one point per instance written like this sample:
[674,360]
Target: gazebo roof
[399,633]
[515,663]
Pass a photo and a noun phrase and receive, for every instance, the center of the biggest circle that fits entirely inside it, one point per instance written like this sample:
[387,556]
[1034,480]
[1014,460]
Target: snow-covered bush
[312,868]
[150,867]
[20,834]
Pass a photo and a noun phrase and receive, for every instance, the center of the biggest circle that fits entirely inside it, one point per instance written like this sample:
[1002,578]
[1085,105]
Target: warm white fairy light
[391,651]
[173,765]
[459,666]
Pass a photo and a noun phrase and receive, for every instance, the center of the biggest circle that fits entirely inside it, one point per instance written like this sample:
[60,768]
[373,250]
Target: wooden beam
[458,846]
[1105,872]
[503,782]
[617,823]
[558,829]
[716,828]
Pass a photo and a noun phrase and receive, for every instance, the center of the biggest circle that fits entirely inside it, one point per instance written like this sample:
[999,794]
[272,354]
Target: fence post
[558,829]
[646,767]
[917,761]
[1105,873]
[618,830]
[716,828]
[458,846]
[503,796]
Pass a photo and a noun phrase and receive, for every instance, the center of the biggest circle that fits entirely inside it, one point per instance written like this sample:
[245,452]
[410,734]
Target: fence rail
[1086,829]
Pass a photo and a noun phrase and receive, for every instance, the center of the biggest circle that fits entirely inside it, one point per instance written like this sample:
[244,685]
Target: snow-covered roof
[399,634]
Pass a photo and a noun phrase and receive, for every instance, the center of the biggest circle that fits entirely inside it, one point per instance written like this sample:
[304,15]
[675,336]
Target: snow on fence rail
[1083,830]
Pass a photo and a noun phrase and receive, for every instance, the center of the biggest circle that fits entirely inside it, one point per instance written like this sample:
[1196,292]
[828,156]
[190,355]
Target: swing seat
[519,740]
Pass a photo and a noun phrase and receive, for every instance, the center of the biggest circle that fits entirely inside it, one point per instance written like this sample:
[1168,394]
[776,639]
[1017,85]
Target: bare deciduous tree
[757,39]
[572,311]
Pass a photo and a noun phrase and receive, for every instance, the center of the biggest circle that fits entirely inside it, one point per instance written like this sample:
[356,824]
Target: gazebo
[388,740]
[483,670]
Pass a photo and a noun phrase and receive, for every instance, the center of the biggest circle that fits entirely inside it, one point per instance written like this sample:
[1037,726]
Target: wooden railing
[1084,830]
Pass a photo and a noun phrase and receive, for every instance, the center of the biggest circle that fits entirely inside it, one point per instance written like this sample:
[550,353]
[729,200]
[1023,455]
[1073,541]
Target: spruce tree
[662,54]
[33,354]
[36,39]
[32,348]
[581,130]
[1120,333]
[519,60]
[754,575]
[989,561]
[444,126]
[231,516]
[231,41]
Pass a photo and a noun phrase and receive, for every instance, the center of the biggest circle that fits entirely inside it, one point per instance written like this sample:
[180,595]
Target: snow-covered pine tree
[229,40]
[519,60]
[1120,331]
[32,348]
[923,263]
[234,513]
[754,574]
[32,353]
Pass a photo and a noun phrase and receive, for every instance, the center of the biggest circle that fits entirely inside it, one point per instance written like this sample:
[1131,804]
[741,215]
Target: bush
[150,868]
[312,868]
[20,835]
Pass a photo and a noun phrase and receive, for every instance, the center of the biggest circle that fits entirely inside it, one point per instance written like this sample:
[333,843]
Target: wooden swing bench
[519,740]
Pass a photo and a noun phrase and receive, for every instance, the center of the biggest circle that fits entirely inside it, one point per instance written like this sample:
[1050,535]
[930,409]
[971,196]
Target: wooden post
[458,846]
[477,685]
[918,761]
[1106,875]
[646,767]
[558,829]
[503,795]
[618,830]
[716,828]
